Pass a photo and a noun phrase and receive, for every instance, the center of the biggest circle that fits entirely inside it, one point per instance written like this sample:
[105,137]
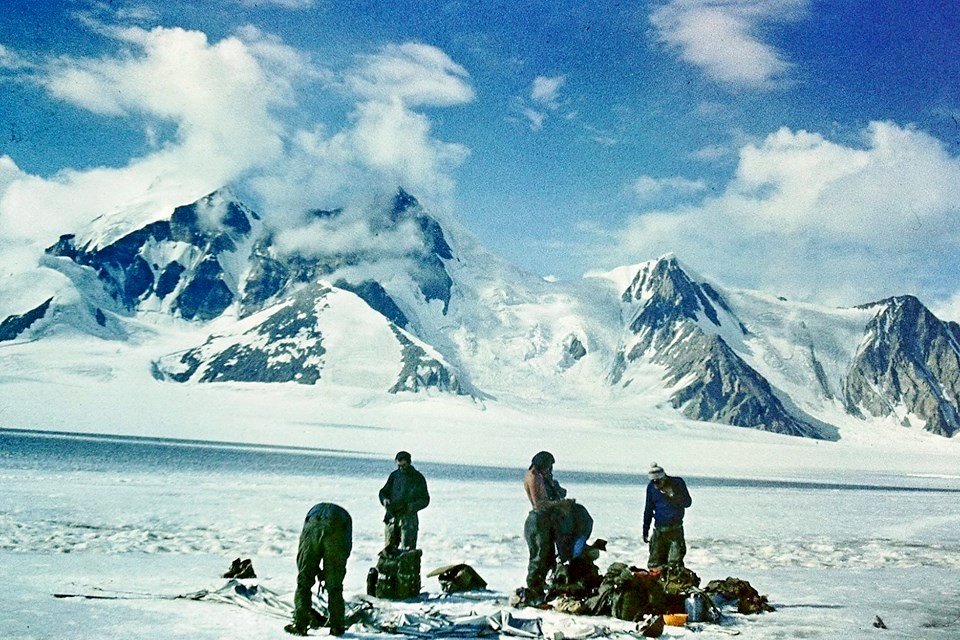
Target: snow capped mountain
[907,366]
[186,264]
[677,320]
[321,331]
[390,297]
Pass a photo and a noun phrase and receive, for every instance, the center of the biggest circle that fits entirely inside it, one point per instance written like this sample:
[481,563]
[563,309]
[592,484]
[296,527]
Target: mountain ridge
[449,317]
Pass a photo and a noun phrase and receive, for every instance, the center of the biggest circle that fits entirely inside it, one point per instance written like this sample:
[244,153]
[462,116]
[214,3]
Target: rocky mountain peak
[178,258]
[668,292]
[907,366]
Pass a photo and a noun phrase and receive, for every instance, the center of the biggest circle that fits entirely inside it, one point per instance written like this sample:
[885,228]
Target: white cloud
[543,99]
[9,172]
[947,308]
[648,189]
[819,220]
[222,97]
[361,229]
[721,36]
[535,117]
[413,73]
[228,102]
[386,144]
[546,90]
[118,11]
[12,61]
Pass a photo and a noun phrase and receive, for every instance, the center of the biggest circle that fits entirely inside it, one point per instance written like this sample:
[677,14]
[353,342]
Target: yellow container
[675,619]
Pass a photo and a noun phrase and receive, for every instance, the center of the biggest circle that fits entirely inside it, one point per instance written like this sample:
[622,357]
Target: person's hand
[386,503]
[646,539]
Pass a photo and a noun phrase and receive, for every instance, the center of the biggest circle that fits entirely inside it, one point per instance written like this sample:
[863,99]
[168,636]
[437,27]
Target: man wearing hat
[404,494]
[667,498]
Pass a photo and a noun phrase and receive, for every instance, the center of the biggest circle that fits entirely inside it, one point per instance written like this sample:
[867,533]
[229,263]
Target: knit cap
[656,472]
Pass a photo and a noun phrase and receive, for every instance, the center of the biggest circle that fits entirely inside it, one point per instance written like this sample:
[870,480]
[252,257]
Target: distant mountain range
[437,313]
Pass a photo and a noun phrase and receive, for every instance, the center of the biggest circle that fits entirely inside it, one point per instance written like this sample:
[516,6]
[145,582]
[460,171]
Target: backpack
[627,594]
[398,574]
[742,592]
[678,580]
[458,577]
[677,583]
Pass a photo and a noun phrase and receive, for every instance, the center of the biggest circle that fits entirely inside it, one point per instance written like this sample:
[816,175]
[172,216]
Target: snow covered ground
[81,514]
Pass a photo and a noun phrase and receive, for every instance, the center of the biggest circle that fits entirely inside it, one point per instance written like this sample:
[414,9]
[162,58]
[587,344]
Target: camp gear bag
[398,574]
[455,578]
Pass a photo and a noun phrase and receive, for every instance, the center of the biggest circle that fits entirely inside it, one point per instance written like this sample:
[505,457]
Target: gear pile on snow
[634,594]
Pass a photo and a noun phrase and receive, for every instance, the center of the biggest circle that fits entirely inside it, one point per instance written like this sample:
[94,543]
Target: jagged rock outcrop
[724,388]
[290,341]
[285,345]
[678,322]
[421,371]
[15,325]
[573,351]
[908,365]
[182,261]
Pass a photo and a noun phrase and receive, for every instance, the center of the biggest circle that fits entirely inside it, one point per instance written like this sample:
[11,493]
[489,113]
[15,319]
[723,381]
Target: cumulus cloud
[223,99]
[361,229]
[412,73]
[535,118]
[648,189]
[120,11]
[228,104]
[386,143]
[711,153]
[721,36]
[815,219]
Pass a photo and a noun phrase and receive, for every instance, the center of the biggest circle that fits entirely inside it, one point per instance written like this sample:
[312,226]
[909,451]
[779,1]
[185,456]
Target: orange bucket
[675,619]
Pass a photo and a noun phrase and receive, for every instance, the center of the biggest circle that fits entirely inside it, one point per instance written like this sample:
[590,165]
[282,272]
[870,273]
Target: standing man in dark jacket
[546,496]
[403,496]
[667,498]
[327,537]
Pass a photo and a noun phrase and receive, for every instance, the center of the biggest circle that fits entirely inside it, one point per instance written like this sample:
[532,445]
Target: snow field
[829,559]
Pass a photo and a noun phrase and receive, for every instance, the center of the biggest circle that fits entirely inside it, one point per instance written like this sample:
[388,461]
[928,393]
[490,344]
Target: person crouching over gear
[327,537]
[667,498]
[403,496]
[545,495]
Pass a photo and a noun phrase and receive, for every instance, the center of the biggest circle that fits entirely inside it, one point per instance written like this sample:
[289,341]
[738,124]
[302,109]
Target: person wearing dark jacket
[327,537]
[546,496]
[667,499]
[404,494]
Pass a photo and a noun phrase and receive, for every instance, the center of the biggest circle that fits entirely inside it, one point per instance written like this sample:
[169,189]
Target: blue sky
[809,149]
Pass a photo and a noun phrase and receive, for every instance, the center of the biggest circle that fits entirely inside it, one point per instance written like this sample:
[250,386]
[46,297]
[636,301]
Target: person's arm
[386,491]
[680,495]
[421,497]
[560,491]
[647,514]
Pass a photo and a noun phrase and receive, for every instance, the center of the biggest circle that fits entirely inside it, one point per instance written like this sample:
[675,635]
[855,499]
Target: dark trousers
[401,531]
[540,542]
[667,546]
[327,537]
